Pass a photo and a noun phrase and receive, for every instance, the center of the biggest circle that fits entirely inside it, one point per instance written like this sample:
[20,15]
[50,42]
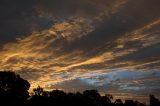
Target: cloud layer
[86,44]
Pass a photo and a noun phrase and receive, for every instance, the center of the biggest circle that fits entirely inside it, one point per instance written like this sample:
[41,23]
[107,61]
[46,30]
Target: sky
[109,45]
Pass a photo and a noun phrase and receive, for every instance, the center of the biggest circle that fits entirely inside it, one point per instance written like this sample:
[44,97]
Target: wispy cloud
[93,43]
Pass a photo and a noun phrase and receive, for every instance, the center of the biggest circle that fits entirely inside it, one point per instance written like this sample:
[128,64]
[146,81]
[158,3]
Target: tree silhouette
[118,102]
[13,88]
[58,97]
[14,92]
[38,91]
[154,101]
[106,100]
[92,96]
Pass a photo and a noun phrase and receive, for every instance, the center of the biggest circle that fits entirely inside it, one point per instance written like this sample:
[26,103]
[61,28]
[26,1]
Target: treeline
[14,92]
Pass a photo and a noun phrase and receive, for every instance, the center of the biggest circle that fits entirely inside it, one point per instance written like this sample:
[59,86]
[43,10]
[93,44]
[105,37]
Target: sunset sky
[109,45]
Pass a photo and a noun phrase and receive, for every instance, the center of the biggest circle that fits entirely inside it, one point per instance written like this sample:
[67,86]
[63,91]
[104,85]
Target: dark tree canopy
[13,88]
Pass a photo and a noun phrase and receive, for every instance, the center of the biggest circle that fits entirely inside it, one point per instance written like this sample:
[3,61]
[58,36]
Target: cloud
[21,18]
[71,8]
[108,45]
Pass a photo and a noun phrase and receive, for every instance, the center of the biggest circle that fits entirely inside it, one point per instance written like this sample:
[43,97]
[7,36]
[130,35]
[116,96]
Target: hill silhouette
[14,92]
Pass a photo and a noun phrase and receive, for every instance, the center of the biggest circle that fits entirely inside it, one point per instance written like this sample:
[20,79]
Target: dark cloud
[69,8]
[148,53]
[19,18]
[13,19]
[132,16]
[74,86]
[30,74]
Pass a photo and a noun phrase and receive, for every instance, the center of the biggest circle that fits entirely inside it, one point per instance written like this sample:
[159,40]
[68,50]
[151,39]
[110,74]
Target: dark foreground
[14,92]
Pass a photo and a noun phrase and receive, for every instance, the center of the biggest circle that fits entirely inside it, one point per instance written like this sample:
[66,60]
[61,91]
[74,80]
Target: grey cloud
[19,18]
[73,85]
[69,8]
[130,17]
